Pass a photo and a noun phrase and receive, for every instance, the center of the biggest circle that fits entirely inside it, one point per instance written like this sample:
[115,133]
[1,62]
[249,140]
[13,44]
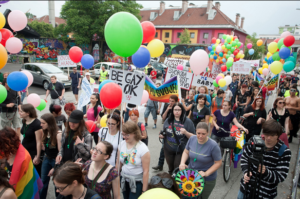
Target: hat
[76,116]
[87,74]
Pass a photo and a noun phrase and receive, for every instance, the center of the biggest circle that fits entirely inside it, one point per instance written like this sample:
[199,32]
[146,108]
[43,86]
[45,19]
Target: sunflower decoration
[190,183]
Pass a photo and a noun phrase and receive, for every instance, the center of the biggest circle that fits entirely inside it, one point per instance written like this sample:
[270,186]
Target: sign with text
[216,69]
[204,79]
[132,84]
[85,95]
[255,63]
[65,61]
[241,67]
[174,62]
[185,77]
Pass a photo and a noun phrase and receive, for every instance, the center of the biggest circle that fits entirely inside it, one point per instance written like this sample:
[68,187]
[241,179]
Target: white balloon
[284,34]
[228,80]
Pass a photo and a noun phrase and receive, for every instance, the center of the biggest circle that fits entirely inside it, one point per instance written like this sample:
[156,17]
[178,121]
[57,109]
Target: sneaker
[146,124]
[154,127]
[158,167]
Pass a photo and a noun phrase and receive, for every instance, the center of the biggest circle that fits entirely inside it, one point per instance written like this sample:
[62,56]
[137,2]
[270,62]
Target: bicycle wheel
[227,165]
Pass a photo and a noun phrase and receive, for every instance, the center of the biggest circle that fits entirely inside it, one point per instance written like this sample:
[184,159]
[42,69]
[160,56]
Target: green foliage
[29,15]
[61,33]
[44,29]
[259,51]
[184,37]
[86,18]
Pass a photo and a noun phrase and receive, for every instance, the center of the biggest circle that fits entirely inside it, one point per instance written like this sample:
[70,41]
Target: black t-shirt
[197,115]
[241,98]
[250,90]
[252,120]
[187,103]
[165,109]
[280,118]
[282,90]
[50,150]
[149,71]
[68,150]
[29,141]
[60,120]
[90,194]
[58,87]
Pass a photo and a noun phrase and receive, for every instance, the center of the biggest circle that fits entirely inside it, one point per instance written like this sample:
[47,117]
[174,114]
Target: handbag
[157,113]
[234,107]
[62,102]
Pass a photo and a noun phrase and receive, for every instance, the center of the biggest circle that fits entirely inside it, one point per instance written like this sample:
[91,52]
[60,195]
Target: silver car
[42,72]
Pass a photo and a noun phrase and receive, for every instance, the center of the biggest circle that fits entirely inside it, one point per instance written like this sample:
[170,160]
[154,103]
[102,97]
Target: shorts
[152,110]
[75,90]
[11,119]
[55,101]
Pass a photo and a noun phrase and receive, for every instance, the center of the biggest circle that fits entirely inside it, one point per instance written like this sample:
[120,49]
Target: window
[28,67]
[178,34]
[97,66]
[156,34]
[220,35]
[296,33]
[167,34]
[205,36]
[203,42]
[192,35]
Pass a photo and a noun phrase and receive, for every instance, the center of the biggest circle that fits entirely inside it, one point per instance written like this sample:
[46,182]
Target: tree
[86,18]
[44,29]
[29,15]
[184,37]
[61,33]
[259,51]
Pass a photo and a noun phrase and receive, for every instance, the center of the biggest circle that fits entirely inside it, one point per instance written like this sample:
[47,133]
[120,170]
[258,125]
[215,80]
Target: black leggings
[96,137]
[173,159]
[295,122]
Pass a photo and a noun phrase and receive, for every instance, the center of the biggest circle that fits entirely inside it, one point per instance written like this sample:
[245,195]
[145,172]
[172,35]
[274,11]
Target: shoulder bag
[62,102]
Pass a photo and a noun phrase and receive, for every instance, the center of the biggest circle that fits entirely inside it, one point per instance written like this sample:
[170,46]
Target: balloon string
[15,34]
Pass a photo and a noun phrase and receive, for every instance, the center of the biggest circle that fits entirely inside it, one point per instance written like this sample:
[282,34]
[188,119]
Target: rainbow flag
[257,77]
[162,93]
[271,85]
[24,177]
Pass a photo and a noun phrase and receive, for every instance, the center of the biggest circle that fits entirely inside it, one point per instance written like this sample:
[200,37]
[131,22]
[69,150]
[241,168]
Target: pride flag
[271,85]
[24,177]
[257,77]
[162,93]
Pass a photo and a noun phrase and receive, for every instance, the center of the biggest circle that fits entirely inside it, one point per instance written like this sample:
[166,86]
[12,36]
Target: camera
[163,133]
[258,147]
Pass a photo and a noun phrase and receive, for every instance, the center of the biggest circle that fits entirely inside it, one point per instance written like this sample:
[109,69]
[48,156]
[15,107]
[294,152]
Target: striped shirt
[277,169]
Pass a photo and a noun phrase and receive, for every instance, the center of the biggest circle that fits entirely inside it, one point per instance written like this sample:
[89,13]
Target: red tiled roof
[45,19]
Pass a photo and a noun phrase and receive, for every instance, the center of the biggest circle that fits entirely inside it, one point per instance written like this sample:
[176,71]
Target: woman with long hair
[69,108]
[106,178]
[217,101]
[111,134]
[253,95]
[69,182]
[60,119]
[199,112]
[93,110]
[203,90]
[32,134]
[6,190]
[134,116]
[51,146]
[256,114]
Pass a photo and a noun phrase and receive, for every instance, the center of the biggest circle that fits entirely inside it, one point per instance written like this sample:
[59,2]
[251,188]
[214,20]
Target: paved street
[222,190]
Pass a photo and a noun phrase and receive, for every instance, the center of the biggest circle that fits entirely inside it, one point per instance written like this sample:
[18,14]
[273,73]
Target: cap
[87,74]
[76,116]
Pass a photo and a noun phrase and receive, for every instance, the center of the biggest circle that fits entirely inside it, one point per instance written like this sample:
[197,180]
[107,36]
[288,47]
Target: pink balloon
[242,45]
[17,20]
[284,34]
[218,78]
[249,45]
[29,76]
[232,55]
[34,99]
[218,48]
[180,67]
[199,61]
[265,71]
[145,97]
[14,45]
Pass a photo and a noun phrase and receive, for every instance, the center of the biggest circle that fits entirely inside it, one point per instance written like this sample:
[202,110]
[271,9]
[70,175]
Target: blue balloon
[224,60]
[224,88]
[17,81]
[87,61]
[103,83]
[284,53]
[266,59]
[251,51]
[215,57]
[209,48]
[270,60]
[141,57]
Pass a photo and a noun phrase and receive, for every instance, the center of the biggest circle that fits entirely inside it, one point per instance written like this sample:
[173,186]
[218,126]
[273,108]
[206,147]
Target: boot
[158,167]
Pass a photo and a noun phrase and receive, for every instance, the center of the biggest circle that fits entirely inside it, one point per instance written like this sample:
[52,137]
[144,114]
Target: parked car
[159,67]
[107,65]
[42,72]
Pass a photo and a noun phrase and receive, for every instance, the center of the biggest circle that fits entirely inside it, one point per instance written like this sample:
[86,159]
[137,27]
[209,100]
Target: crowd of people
[115,159]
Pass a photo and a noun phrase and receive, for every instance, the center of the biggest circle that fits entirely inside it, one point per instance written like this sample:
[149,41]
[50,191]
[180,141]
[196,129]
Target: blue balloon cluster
[87,61]
[17,81]
[284,53]
[141,58]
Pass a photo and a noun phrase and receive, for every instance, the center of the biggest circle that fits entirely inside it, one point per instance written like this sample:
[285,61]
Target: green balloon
[224,37]
[291,58]
[215,83]
[214,47]
[227,56]
[280,43]
[283,46]
[234,43]
[229,63]
[3,93]
[237,40]
[42,105]
[288,66]
[228,39]
[239,44]
[123,34]
[276,57]
[229,53]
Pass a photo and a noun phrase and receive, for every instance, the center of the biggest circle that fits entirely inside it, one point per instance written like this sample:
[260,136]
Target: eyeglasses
[293,90]
[281,102]
[98,151]
[167,182]
[61,189]
[178,110]
[111,124]
[125,135]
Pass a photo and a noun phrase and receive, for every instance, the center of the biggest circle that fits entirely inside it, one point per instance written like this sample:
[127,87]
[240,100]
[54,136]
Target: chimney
[51,13]
[162,7]
[218,5]
[237,19]
[209,6]
[242,22]
[185,5]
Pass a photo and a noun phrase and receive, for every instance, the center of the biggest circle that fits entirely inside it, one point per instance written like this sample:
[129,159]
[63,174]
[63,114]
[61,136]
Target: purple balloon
[222,40]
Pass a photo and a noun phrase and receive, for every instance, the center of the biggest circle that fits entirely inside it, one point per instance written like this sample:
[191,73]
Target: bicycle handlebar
[229,132]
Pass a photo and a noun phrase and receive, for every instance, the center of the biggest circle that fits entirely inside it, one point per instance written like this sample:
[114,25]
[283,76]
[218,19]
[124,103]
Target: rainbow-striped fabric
[162,93]
[257,77]
[271,85]
[24,177]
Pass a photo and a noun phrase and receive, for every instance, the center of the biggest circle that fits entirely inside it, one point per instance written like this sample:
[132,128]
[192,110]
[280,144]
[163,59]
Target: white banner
[65,61]
[185,77]
[174,62]
[204,79]
[216,69]
[241,67]
[85,95]
[254,62]
[132,84]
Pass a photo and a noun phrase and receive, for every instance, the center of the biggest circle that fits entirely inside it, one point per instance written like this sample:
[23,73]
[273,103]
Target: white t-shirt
[228,94]
[113,139]
[134,165]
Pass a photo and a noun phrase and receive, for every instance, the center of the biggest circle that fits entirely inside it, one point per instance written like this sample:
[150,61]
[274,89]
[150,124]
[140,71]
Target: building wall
[208,40]
[164,38]
[175,32]
[217,32]
[158,31]
[195,39]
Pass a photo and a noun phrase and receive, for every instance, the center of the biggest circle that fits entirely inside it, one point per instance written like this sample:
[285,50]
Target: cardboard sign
[204,79]
[241,67]
[65,61]
[185,77]
[174,62]
[132,84]
[216,69]
[85,95]
[254,62]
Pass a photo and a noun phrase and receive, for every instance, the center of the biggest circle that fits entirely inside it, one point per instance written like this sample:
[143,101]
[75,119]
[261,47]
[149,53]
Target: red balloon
[6,34]
[234,38]
[277,40]
[223,68]
[213,40]
[148,31]
[289,40]
[90,126]
[235,52]
[75,54]
[111,95]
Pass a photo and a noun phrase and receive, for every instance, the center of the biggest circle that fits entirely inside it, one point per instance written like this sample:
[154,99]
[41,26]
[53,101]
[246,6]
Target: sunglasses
[281,102]
[167,182]
[293,90]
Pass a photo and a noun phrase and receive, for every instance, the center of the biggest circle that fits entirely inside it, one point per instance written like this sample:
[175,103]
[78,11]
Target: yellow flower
[188,187]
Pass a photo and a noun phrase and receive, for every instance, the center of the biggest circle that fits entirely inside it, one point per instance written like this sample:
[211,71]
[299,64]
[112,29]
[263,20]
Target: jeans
[127,194]
[239,112]
[266,100]
[173,159]
[47,165]
[126,117]
[23,95]
[161,158]
[240,195]
[217,139]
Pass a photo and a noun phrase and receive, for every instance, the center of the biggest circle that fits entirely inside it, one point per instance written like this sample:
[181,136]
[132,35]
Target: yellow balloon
[2,20]
[230,58]
[265,66]
[218,41]
[222,82]
[260,70]
[221,74]
[269,55]
[276,67]
[242,56]
[103,121]
[223,47]
[217,61]
[156,47]
[238,55]
[159,193]
[3,56]
[272,47]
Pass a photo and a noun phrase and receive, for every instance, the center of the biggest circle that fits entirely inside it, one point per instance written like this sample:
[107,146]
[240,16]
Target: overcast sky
[262,17]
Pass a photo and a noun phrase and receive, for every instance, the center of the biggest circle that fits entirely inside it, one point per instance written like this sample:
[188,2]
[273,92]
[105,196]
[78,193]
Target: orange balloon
[3,56]
[282,61]
[264,61]
[259,42]
[225,50]
[224,55]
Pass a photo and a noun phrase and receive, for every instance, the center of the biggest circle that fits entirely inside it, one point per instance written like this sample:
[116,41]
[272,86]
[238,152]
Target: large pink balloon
[180,67]
[265,71]
[34,99]
[29,76]
[284,34]
[199,61]
[14,45]
[17,20]
[249,45]
[145,97]
[218,78]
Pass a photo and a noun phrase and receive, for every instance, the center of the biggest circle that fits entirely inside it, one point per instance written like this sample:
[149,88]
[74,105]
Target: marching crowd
[115,159]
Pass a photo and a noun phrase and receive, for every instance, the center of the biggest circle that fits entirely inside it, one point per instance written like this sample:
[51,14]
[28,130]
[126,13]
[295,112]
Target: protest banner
[241,67]
[85,95]
[178,56]
[216,69]
[185,77]
[65,61]
[174,62]
[254,62]
[132,84]
[204,79]
[272,84]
